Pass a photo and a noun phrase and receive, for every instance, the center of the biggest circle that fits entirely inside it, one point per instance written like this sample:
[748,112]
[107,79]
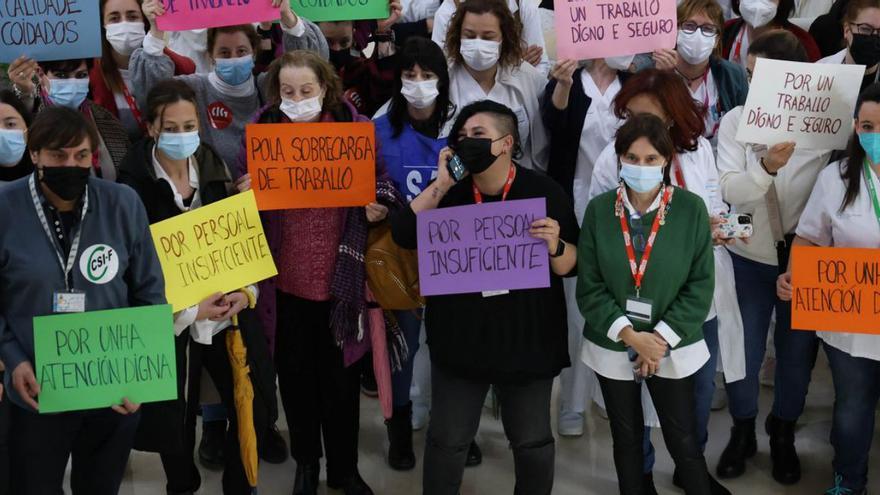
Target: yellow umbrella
[243,391]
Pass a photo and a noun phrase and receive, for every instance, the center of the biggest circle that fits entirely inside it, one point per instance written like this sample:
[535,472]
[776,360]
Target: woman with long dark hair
[844,211]
[14,121]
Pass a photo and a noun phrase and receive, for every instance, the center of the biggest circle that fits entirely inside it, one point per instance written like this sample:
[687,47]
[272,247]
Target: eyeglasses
[708,30]
[865,29]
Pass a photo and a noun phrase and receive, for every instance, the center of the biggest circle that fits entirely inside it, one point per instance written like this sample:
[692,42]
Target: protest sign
[92,360]
[340,10]
[810,104]
[220,247]
[485,247]
[835,289]
[588,29]
[182,15]
[49,29]
[312,165]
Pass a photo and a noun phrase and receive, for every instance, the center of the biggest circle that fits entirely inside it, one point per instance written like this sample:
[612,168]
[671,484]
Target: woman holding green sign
[844,211]
[59,218]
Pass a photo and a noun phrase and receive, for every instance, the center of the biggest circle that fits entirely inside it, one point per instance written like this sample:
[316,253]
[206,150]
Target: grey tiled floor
[583,465]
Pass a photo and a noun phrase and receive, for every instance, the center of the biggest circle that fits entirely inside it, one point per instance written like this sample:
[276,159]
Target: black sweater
[514,337]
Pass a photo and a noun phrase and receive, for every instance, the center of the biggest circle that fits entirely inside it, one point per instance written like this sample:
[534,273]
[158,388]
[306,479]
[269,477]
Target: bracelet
[772,174]
[21,95]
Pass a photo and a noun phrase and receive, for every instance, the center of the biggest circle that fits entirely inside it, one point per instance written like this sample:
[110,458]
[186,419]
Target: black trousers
[321,397]
[456,406]
[5,407]
[99,441]
[674,401]
[180,469]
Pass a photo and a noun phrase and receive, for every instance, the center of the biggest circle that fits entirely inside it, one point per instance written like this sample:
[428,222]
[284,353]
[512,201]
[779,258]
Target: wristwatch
[560,248]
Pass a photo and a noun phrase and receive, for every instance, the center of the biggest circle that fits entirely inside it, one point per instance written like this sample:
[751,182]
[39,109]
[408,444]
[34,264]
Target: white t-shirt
[857,226]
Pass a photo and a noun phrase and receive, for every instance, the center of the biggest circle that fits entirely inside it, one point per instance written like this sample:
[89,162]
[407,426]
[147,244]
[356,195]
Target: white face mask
[695,48]
[757,12]
[301,111]
[420,94]
[125,37]
[621,62]
[480,54]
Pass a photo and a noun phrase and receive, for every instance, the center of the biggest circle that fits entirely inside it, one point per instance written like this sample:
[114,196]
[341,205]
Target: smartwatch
[560,248]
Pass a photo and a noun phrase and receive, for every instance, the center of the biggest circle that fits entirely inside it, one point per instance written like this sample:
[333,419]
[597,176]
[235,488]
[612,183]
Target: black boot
[474,455]
[211,445]
[400,453]
[273,449]
[742,445]
[648,487]
[306,482]
[353,486]
[786,465]
[716,487]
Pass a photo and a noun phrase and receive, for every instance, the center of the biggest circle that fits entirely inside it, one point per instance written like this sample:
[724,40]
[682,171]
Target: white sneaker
[571,424]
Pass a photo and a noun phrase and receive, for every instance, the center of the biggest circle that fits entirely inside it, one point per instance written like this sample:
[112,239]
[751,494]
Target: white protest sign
[810,104]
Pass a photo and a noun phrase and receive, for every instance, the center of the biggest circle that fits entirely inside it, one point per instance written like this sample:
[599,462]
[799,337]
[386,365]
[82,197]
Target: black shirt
[514,337]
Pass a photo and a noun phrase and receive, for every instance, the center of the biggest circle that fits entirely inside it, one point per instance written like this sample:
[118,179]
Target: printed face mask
[480,54]
[695,48]
[179,145]
[125,37]
[301,111]
[641,179]
[420,94]
[68,93]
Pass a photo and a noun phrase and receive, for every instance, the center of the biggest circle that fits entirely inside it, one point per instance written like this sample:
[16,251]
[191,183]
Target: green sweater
[679,278]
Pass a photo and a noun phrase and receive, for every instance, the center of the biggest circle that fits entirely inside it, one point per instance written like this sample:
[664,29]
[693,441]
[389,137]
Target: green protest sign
[340,10]
[93,360]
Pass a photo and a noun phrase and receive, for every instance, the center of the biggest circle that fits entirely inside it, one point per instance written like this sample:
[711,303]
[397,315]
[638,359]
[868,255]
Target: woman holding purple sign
[516,340]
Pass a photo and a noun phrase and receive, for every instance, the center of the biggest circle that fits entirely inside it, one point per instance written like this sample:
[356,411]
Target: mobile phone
[456,168]
[736,225]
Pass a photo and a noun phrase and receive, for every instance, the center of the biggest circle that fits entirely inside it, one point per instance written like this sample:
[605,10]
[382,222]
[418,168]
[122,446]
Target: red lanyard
[739,43]
[679,175]
[639,272]
[717,123]
[478,197]
[132,104]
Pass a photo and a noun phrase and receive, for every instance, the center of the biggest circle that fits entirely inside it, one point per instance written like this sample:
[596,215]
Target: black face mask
[865,49]
[476,153]
[340,58]
[68,183]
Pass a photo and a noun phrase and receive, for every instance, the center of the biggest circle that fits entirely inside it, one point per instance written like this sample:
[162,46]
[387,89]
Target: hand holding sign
[809,104]
[22,72]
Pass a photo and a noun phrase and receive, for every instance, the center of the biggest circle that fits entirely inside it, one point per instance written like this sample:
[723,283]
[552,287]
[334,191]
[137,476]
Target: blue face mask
[234,71]
[178,145]
[641,179]
[870,142]
[68,93]
[12,146]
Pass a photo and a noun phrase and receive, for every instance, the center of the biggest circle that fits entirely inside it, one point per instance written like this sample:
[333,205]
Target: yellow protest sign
[220,247]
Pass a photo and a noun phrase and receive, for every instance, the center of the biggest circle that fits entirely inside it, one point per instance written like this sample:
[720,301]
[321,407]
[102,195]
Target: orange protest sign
[835,289]
[312,165]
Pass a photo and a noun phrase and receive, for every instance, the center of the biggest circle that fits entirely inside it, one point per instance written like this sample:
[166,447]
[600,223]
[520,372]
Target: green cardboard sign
[340,10]
[93,360]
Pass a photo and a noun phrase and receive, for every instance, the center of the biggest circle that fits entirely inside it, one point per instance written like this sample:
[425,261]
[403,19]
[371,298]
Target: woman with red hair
[692,168]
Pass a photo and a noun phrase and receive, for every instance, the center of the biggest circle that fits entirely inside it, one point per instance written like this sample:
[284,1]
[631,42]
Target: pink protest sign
[182,15]
[588,29]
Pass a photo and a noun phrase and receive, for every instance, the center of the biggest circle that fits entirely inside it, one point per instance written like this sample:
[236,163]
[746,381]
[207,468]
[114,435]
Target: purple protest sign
[485,247]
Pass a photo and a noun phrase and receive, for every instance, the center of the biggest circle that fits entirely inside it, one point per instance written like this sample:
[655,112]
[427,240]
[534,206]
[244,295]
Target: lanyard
[679,175]
[638,271]
[74,247]
[739,43]
[872,190]
[132,104]
[716,124]
[478,197]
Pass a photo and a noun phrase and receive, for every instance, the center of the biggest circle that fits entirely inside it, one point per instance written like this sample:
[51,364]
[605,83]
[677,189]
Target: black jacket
[169,426]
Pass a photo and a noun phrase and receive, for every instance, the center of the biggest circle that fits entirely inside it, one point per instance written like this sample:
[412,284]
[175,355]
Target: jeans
[704,389]
[321,397]
[674,400]
[856,392]
[410,324]
[795,350]
[455,418]
[98,440]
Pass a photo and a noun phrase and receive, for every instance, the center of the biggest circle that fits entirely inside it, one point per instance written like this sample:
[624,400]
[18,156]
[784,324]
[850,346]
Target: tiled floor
[583,465]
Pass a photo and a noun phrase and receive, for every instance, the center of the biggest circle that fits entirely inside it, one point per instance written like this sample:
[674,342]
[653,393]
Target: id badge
[493,293]
[69,302]
[639,309]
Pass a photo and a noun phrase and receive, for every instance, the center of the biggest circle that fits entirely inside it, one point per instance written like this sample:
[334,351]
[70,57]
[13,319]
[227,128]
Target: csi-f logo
[99,264]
